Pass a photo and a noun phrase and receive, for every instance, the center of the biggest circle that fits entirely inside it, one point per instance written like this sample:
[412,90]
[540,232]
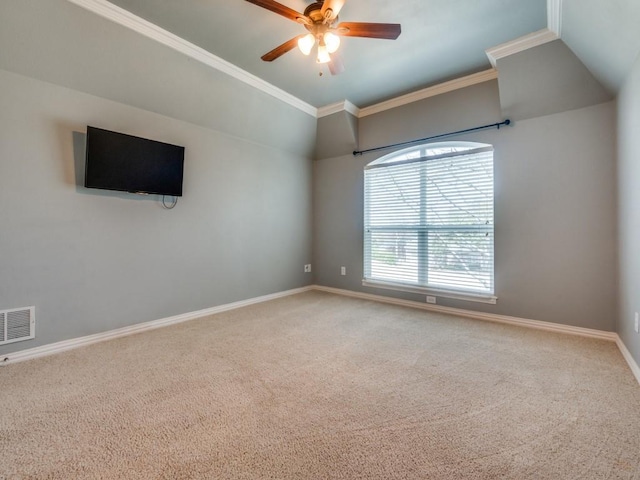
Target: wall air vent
[17,324]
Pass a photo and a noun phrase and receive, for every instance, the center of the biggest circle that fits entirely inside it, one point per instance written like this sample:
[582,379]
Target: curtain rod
[459,132]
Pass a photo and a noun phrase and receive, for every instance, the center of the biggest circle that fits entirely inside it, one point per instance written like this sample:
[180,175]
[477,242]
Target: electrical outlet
[635,325]
[307,268]
[343,270]
[431,299]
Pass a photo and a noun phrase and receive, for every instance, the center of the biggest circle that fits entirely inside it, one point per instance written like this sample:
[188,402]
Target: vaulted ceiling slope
[441,40]
[605,36]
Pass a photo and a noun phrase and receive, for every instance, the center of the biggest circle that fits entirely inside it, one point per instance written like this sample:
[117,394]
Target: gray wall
[629,208]
[555,255]
[59,42]
[91,261]
[544,80]
[337,134]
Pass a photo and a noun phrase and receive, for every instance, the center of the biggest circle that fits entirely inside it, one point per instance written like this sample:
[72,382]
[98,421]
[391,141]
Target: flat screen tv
[116,161]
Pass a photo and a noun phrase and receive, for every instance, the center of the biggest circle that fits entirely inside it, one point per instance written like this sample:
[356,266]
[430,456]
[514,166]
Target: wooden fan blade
[336,67]
[331,8]
[389,31]
[281,49]
[283,10]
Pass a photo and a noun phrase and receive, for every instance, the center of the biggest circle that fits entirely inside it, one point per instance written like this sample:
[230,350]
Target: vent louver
[17,324]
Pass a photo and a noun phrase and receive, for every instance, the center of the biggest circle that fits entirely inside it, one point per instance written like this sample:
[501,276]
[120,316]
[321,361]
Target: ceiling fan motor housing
[314,12]
[320,24]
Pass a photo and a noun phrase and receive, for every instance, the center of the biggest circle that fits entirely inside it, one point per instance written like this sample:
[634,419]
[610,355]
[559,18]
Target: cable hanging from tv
[171,205]
[442,135]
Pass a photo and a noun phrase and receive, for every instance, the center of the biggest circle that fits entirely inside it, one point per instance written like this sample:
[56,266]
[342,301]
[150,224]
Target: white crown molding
[59,347]
[554,16]
[521,44]
[432,91]
[133,22]
[445,87]
[345,105]
[546,35]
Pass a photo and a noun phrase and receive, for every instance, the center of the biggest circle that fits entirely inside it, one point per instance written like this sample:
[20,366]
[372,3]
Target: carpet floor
[320,386]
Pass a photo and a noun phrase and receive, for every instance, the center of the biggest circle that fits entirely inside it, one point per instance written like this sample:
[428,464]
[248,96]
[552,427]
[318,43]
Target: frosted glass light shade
[305,44]
[332,41]
[323,54]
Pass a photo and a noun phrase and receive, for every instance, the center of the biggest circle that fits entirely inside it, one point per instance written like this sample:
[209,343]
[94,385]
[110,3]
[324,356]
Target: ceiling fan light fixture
[323,54]
[305,44]
[321,20]
[332,41]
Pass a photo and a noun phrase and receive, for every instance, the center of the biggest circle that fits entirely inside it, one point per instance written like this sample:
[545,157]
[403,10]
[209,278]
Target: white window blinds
[429,218]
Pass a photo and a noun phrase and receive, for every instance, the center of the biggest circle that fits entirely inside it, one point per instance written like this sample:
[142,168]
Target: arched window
[428,220]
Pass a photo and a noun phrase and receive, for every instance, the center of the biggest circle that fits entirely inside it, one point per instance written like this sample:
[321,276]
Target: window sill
[469,297]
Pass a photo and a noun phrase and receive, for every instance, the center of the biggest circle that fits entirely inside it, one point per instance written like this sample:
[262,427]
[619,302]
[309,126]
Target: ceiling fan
[321,20]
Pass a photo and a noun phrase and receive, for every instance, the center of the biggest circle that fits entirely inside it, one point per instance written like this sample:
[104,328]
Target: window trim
[453,293]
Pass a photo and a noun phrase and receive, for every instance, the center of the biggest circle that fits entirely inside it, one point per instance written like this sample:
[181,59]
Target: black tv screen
[116,161]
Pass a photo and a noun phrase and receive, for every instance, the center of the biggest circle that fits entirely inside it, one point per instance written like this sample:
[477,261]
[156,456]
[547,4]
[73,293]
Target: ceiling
[441,40]
[604,34]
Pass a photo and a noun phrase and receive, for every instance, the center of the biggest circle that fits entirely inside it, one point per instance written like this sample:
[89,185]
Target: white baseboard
[65,345]
[635,369]
[492,317]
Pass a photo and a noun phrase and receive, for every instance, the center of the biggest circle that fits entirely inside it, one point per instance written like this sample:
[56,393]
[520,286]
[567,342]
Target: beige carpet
[318,386]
